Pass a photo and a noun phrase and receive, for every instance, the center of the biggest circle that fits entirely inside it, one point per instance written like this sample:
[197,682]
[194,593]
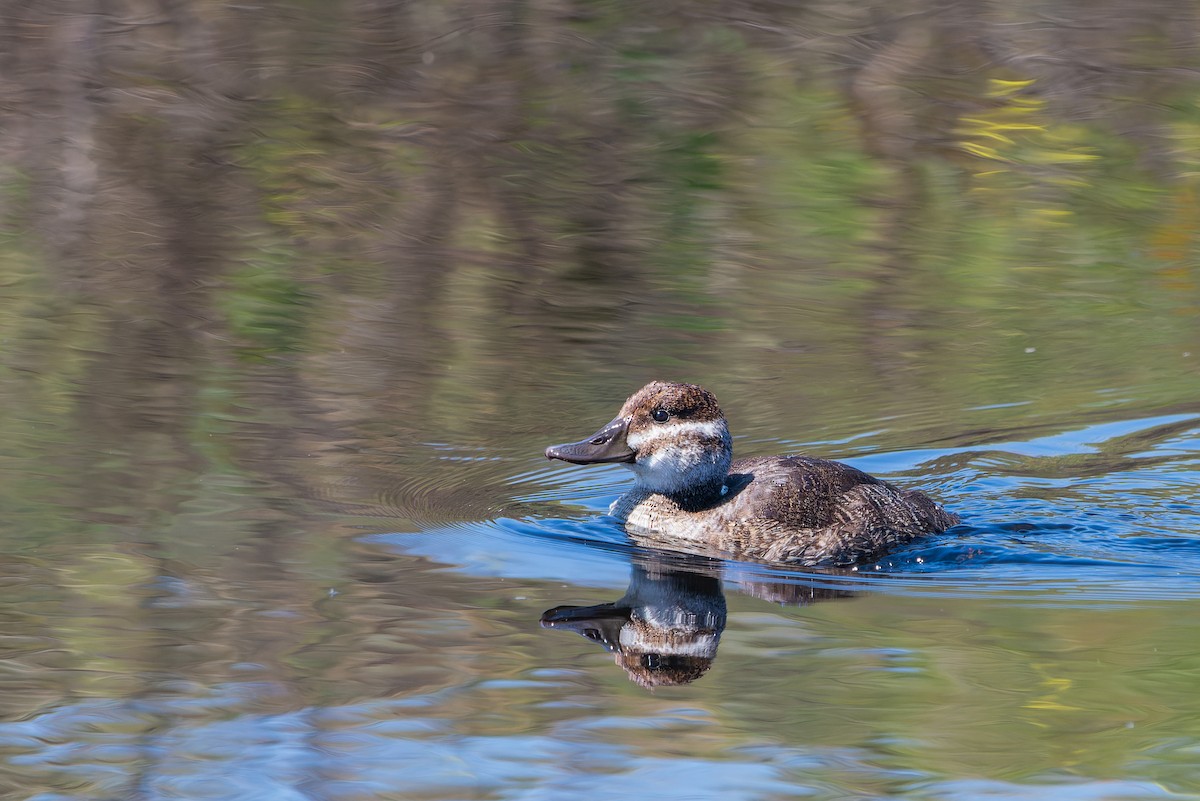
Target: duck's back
[795,509]
[815,511]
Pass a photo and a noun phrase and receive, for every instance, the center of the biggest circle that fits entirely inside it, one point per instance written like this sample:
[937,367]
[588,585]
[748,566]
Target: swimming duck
[690,495]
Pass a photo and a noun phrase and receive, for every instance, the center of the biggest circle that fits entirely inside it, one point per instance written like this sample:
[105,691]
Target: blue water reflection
[387,748]
[374,748]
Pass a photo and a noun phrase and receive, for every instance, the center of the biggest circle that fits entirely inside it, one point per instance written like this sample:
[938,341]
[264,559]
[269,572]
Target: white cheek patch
[675,457]
[684,430]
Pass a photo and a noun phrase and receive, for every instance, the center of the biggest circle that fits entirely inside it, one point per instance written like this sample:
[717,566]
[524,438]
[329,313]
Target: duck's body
[788,509]
[691,496]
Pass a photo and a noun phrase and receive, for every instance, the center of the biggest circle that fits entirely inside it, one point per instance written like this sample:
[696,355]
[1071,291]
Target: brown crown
[685,401]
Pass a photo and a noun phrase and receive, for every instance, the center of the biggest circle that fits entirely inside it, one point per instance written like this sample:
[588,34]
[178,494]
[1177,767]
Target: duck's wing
[798,490]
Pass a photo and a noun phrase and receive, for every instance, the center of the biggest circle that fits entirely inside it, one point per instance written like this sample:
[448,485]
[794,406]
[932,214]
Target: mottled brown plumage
[691,497]
[787,509]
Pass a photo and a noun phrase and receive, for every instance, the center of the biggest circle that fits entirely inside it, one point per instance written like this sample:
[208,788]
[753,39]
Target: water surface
[291,305]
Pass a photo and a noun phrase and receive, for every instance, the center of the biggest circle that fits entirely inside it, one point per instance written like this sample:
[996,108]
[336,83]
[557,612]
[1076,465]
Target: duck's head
[672,436]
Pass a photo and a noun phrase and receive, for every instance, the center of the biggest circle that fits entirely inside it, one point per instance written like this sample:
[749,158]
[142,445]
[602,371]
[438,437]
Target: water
[291,304]
[1043,649]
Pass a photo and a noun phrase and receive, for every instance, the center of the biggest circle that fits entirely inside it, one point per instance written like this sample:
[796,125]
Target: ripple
[1100,512]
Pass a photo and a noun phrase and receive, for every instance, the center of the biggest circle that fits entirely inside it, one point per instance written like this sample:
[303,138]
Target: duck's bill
[606,446]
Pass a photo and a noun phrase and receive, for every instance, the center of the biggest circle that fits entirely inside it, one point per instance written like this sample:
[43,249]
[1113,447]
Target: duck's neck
[700,496]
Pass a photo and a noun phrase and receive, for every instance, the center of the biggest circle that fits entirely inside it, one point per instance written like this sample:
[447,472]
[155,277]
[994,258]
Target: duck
[690,495]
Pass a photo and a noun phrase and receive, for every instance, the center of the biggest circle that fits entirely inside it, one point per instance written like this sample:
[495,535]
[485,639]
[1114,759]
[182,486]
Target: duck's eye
[661,415]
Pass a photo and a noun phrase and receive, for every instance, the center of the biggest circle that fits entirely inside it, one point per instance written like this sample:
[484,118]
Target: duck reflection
[664,630]
[666,627]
